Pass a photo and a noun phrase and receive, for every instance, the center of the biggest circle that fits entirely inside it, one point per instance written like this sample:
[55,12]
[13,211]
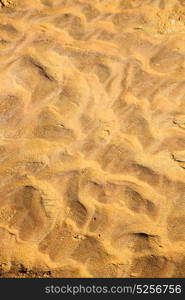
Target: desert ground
[92,138]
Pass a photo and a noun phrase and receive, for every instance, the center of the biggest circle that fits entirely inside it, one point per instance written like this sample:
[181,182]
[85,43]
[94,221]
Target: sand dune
[92,141]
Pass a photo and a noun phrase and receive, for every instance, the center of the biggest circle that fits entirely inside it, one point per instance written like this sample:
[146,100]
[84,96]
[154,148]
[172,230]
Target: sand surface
[92,138]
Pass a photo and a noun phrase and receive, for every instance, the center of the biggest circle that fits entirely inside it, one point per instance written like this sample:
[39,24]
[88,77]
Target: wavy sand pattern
[92,138]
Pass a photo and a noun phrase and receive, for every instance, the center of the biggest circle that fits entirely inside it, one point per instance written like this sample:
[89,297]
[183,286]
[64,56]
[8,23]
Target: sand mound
[92,141]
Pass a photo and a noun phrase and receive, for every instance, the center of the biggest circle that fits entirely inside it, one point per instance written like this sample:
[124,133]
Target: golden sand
[92,138]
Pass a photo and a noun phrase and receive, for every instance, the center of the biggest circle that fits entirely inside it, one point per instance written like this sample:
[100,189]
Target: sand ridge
[92,141]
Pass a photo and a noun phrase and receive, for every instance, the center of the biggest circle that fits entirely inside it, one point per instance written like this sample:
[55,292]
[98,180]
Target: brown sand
[92,138]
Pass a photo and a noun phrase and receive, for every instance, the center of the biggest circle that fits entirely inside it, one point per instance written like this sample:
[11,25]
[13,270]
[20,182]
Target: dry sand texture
[92,138]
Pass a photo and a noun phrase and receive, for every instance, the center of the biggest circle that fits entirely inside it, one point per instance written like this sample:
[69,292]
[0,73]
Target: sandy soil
[92,138]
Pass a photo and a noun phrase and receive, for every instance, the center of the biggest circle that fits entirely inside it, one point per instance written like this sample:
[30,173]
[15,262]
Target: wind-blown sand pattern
[92,138]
